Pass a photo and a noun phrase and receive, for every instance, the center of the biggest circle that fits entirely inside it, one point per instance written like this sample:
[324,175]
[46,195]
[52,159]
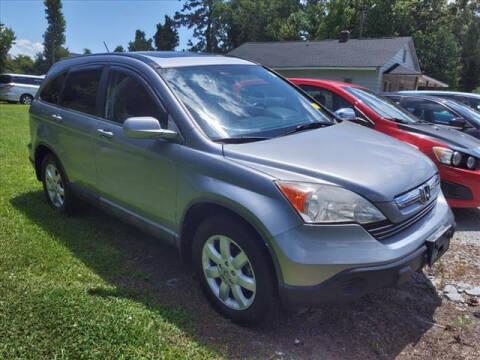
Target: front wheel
[234,269]
[26,99]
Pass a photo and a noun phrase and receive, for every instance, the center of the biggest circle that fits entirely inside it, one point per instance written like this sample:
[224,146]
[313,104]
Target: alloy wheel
[55,186]
[228,272]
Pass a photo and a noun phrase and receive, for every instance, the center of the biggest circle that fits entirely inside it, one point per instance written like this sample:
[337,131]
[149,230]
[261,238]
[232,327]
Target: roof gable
[332,53]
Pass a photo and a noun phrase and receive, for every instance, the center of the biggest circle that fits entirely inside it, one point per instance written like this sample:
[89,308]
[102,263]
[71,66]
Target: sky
[89,23]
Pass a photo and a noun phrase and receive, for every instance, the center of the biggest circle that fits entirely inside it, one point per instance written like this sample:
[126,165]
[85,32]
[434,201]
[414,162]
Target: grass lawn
[74,287]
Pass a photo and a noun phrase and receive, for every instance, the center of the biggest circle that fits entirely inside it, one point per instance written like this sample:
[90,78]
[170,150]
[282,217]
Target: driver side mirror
[349,114]
[147,128]
[458,122]
[346,113]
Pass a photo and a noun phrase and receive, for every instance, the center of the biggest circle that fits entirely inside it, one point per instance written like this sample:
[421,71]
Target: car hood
[455,139]
[365,161]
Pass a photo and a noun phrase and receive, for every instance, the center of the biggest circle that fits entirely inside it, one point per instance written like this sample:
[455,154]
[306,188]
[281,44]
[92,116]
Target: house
[386,64]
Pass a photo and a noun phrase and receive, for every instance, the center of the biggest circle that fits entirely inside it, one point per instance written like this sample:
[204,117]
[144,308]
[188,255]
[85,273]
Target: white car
[19,88]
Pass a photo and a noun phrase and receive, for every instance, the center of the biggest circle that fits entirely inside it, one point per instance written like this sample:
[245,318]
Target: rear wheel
[55,185]
[26,99]
[234,269]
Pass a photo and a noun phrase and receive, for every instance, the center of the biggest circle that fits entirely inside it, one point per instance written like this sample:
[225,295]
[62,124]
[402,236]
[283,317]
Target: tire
[245,302]
[26,99]
[55,185]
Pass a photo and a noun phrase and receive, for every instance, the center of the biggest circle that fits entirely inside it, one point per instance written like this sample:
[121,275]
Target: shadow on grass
[145,270]
[467,219]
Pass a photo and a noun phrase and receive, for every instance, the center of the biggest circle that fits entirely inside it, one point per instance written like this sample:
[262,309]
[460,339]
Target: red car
[457,155]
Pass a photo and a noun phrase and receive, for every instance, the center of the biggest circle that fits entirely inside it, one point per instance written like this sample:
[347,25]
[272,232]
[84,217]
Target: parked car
[456,154]
[19,88]
[440,111]
[470,99]
[268,197]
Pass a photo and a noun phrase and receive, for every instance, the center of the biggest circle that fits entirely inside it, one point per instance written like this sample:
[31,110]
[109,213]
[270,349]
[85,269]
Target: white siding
[365,78]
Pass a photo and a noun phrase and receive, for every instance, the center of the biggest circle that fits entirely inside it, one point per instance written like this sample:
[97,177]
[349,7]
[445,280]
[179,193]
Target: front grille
[386,230]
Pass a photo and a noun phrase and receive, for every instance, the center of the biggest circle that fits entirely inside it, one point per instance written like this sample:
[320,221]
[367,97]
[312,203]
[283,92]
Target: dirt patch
[411,321]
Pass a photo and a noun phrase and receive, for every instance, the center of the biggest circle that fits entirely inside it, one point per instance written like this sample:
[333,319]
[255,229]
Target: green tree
[54,36]
[203,17]
[20,64]
[265,20]
[470,74]
[314,12]
[7,39]
[119,48]
[166,37]
[40,65]
[432,29]
[140,43]
[339,16]
[87,51]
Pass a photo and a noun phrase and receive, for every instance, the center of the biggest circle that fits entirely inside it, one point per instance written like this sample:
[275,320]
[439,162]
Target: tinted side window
[51,92]
[80,92]
[470,101]
[5,79]
[127,97]
[429,111]
[326,97]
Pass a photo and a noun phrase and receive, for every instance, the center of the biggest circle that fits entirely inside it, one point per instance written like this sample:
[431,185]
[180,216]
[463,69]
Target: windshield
[231,101]
[465,111]
[382,106]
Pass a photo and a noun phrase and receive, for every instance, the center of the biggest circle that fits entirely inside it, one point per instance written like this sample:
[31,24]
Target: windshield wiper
[307,126]
[240,139]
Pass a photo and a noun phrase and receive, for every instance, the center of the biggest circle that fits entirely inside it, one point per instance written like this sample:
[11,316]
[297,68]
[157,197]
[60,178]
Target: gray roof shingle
[353,53]
[402,70]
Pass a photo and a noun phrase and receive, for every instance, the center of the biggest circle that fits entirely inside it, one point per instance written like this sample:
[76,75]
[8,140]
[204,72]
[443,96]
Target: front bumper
[461,186]
[352,284]
[322,264]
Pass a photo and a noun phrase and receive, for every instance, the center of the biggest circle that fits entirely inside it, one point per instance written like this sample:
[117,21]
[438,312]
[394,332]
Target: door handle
[105,133]
[57,118]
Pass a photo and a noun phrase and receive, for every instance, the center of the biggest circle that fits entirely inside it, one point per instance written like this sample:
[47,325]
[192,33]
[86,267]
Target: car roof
[415,95]
[439,100]
[24,75]
[437,92]
[171,58]
[324,82]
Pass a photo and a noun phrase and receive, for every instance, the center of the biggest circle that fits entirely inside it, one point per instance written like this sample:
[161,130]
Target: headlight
[318,203]
[443,155]
[471,163]
[454,158]
[457,158]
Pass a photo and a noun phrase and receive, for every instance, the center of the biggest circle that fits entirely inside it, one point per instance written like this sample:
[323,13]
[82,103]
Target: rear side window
[127,97]
[5,79]
[21,80]
[80,91]
[51,92]
[27,80]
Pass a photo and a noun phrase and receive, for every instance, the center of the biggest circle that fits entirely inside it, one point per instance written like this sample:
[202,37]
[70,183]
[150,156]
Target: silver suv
[19,88]
[271,198]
